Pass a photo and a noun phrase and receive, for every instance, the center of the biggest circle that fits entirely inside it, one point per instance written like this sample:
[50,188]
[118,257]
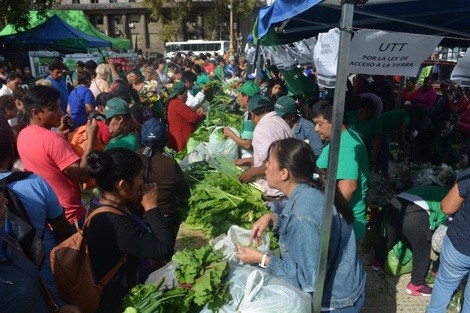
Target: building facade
[128,19]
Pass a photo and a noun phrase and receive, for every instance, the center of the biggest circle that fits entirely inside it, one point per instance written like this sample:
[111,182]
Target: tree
[16,12]
[213,18]
[171,14]
[174,13]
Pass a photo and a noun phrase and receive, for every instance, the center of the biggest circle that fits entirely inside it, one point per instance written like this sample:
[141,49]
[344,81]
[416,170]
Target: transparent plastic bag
[256,291]
[168,271]
[237,236]
[221,145]
[200,154]
[439,235]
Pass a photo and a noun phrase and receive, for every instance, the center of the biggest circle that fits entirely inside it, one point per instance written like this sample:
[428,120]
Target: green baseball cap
[177,88]
[249,88]
[116,106]
[258,102]
[285,105]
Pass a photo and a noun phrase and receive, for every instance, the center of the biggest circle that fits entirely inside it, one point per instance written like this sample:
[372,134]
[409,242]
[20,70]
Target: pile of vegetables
[219,200]
[204,273]
[148,298]
[202,277]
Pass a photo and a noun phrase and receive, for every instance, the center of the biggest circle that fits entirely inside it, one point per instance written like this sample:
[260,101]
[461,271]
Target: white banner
[325,57]
[376,52]
[461,72]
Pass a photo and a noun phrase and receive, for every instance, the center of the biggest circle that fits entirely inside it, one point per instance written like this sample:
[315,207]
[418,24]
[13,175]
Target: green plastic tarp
[75,19]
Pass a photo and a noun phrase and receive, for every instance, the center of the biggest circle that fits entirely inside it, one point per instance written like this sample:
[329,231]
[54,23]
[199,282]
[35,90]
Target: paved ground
[387,294]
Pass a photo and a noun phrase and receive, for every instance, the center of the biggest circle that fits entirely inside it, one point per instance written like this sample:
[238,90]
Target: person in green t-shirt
[202,78]
[399,121]
[353,163]
[219,72]
[122,126]
[395,120]
[414,214]
[368,126]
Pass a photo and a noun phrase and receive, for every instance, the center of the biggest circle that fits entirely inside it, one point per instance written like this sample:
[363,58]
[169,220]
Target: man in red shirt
[48,154]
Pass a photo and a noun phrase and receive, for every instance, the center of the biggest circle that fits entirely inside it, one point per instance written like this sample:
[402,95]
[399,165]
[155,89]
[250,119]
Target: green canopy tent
[76,19]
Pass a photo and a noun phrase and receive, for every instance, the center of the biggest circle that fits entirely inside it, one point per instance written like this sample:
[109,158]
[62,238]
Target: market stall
[54,31]
[76,19]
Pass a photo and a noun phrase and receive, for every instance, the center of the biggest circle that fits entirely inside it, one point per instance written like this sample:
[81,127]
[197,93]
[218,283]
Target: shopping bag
[221,145]
[256,291]
[394,267]
[237,236]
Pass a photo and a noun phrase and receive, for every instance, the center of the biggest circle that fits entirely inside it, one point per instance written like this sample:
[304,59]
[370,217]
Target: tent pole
[400,91]
[337,122]
[281,28]
[257,60]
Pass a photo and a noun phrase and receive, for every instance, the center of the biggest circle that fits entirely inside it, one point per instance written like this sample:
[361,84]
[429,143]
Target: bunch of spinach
[220,200]
[203,273]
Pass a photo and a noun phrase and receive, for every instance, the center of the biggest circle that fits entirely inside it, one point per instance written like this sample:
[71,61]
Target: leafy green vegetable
[220,200]
[210,288]
[139,293]
[192,263]
[204,273]
[148,298]
[222,164]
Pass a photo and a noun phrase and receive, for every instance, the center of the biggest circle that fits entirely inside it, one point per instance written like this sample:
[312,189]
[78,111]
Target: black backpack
[21,227]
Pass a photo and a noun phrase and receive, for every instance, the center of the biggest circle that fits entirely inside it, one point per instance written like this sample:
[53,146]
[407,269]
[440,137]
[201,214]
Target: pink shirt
[47,154]
[425,98]
[270,128]
[209,67]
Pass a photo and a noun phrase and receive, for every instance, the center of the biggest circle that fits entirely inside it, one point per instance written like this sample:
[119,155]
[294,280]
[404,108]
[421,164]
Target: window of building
[112,1]
[75,1]
[99,20]
[152,20]
[192,19]
[95,1]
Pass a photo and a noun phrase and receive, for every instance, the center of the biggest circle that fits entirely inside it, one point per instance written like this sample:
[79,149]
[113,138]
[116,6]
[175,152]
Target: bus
[196,46]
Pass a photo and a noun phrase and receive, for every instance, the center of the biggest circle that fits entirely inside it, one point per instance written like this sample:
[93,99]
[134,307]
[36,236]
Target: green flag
[297,83]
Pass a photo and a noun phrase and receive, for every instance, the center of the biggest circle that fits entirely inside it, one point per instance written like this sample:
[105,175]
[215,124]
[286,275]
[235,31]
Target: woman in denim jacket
[291,169]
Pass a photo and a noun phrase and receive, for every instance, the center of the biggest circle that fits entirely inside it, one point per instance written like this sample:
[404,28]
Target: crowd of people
[112,129]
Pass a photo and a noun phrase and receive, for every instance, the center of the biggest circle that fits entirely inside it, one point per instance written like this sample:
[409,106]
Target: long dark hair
[129,125]
[109,167]
[298,158]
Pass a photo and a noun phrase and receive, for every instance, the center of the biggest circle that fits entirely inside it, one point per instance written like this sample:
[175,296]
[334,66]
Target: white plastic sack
[168,271]
[237,236]
[438,237]
[255,291]
[425,177]
[220,145]
[199,154]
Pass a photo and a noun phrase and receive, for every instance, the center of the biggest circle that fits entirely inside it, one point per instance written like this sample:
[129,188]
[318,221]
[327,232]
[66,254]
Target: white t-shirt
[195,101]
[4,91]
[270,128]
